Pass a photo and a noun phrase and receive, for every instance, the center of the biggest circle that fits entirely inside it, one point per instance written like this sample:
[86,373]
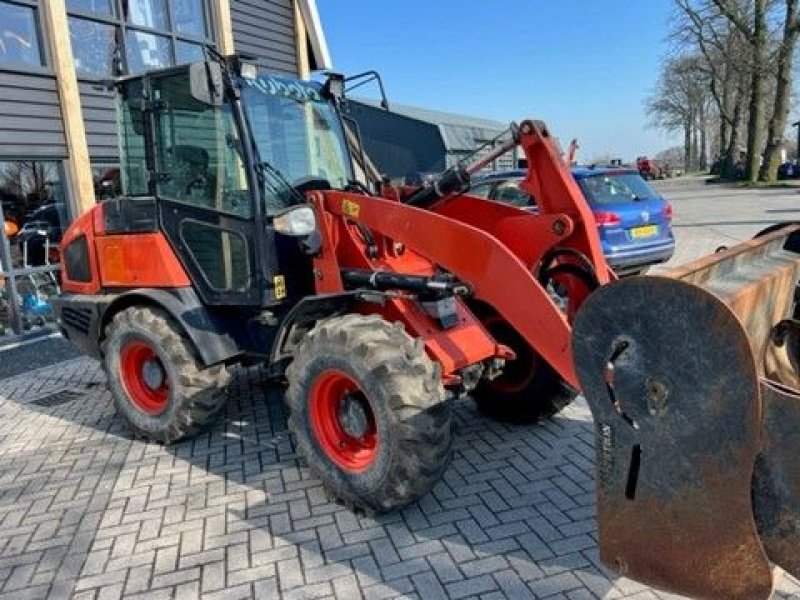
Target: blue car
[634,221]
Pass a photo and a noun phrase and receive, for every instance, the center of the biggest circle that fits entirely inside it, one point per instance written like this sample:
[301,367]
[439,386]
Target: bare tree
[679,103]
[723,55]
[783,91]
[747,49]
[751,21]
[26,184]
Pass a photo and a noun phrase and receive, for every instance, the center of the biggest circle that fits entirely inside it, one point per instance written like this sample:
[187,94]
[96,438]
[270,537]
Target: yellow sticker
[279,284]
[351,209]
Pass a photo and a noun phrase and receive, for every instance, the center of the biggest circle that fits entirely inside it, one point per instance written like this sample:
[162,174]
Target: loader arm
[494,273]
[494,249]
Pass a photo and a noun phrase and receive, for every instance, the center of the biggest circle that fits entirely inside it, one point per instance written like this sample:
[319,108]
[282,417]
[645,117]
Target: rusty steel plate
[678,420]
[776,480]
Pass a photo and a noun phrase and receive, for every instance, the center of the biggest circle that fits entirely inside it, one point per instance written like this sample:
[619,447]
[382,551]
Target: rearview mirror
[205,83]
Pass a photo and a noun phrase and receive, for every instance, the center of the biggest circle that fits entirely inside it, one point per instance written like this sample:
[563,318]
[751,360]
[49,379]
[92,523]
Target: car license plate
[642,232]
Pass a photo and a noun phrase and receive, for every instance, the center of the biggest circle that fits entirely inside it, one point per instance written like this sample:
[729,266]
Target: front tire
[529,390]
[368,414]
[156,380]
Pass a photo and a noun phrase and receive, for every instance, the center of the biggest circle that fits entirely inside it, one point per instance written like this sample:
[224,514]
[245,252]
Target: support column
[225,43]
[79,172]
[301,43]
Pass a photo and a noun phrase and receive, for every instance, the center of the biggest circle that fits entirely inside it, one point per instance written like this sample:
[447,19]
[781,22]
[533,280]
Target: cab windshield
[296,130]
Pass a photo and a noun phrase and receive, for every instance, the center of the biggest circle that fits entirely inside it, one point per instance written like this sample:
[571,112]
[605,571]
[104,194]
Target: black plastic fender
[309,310]
[210,333]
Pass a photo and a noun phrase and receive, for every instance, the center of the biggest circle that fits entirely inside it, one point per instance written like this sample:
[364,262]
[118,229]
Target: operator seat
[191,181]
[190,178]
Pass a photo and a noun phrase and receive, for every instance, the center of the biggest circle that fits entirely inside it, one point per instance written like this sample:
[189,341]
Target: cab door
[205,205]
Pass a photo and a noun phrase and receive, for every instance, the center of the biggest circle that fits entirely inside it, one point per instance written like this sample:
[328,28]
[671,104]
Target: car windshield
[615,188]
[296,130]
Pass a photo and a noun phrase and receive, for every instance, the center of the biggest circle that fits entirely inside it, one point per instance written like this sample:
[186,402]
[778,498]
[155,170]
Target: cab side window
[198,151]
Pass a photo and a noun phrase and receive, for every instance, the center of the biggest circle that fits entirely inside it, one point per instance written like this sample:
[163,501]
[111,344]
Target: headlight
[298,221]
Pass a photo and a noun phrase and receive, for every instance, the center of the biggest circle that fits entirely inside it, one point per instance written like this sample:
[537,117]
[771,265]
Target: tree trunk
[732,150]
[703,147]
[755,127]
[783,91]
[725,111]
[687,146]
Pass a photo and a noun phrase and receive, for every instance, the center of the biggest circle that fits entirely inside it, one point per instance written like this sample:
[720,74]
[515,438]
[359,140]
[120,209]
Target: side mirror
[205,83]
[334,87]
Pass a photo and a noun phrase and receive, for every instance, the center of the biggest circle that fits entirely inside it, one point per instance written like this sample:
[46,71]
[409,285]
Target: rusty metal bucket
[693,384]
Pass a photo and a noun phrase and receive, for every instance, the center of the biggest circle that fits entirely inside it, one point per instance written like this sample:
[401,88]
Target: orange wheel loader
[243,237]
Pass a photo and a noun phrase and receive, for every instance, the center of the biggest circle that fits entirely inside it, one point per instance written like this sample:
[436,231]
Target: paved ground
[88,512]
[24,355]
[707,216]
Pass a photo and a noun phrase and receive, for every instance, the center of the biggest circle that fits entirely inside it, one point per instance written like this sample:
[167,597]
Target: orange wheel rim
[144,377]
[343,421]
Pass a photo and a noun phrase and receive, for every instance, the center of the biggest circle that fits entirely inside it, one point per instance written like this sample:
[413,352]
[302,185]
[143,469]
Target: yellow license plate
[646,231]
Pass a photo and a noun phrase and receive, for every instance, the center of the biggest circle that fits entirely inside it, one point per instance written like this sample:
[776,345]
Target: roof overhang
[316,36]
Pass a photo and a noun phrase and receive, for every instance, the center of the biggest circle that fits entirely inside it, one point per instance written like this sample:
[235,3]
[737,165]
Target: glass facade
[34,213]
[190,18]
[147,13]
[19,35]
[116,37]
[101,7]
[147,51]
[94,46]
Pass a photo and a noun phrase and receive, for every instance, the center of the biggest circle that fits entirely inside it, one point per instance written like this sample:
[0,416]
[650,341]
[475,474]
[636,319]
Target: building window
[94,47]
[147,51]
[33,209]
[186,52]
[147,13]
[102,7]
[19,35]
[114,37]
[190,17]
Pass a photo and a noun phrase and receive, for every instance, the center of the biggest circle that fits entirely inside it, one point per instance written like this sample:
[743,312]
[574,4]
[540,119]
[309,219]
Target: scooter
[35,289]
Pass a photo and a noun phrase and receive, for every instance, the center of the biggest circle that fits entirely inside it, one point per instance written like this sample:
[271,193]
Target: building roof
[459,132]
[316,35]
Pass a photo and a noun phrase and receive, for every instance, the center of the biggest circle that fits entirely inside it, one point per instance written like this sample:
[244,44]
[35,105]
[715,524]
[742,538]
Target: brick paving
[90,513]
[86,511]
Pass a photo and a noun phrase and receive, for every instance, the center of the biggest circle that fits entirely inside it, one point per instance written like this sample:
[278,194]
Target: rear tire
[529,390]
[156,380]
[368,414]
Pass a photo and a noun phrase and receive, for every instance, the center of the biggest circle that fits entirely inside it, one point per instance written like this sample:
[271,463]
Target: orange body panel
[82,226]
[454,349]
[139,260]
[122,261]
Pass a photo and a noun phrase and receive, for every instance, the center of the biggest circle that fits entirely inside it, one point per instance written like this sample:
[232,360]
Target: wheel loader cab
[220,155]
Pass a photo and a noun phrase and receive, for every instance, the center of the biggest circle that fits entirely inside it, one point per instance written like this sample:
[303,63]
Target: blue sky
[583,66]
